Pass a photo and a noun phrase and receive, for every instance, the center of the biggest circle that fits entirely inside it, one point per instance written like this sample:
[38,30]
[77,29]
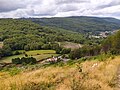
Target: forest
[26,35]
[82,24]
[20,34]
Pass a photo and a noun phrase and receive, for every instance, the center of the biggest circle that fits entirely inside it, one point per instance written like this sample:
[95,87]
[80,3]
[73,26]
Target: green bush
[16,61]
[65,50]
[16,53]
[24,60]
[75,54]
[14,71]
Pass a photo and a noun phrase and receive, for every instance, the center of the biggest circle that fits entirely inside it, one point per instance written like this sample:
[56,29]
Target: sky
[59,8]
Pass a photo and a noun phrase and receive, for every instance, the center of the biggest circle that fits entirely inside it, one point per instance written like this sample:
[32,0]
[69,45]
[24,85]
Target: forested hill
[24,34]
[80,23]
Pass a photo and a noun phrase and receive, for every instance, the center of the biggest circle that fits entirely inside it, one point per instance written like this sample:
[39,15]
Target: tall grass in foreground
[90,77]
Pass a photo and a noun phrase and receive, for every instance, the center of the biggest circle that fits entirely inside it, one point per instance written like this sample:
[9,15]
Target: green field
[38,54]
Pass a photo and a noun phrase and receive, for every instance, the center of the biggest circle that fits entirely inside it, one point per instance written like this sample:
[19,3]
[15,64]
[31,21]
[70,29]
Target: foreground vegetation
[88,75]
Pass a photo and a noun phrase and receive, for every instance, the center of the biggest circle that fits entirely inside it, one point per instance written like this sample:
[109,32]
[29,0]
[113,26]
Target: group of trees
[81,24]
[24,60]
[112,44]
[19,34]
[5,51]
[85,51]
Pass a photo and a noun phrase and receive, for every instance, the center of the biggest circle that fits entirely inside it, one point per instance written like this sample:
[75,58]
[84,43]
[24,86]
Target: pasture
[38,54]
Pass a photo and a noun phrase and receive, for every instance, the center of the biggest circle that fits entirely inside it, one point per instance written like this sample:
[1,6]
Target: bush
[75,54]
[16,61]
[46,46]
[16,53]
[24,60]
[58,50]
[65,50]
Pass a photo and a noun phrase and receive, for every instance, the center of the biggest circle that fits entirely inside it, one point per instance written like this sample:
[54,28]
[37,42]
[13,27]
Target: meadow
[38,54]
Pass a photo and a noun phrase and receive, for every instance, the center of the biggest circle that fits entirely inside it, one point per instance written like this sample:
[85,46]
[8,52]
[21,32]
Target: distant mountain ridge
[82,24]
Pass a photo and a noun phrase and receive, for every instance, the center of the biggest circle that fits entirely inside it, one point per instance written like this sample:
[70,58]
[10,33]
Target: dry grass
[99,77]
[70,45]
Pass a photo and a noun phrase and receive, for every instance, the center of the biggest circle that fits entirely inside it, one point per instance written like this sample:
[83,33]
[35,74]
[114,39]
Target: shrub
[14,71]
[24,60]
[65,50]
[16,53]
[75,54]
[26,55]
[16,61]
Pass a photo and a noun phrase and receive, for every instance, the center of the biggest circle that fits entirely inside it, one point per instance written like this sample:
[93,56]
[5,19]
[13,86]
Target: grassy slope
[38,54]
[100,77]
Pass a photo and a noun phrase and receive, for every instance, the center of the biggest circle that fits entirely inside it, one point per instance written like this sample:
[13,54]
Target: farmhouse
[53,59]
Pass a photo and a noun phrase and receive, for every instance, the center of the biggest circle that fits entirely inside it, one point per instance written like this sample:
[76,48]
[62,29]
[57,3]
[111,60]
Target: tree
[46,46]
[6,50]
[16,61]
[17,53]
[24,60]
[75,54]
[65,50]
[1,53]
[112,44]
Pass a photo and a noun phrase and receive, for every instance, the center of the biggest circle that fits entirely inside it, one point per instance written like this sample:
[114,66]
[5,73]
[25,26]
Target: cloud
[71,1]
[59,8]
[10,5]
[111,3]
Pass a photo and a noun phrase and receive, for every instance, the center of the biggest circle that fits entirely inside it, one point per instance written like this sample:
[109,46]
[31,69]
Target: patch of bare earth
[71,45]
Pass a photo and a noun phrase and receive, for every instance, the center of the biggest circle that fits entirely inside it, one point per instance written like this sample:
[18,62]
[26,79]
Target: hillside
[88,75]
[18,33]
[91,67]
[80,23]
[13,27]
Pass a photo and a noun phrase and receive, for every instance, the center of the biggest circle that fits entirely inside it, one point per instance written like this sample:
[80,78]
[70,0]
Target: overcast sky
[59,8]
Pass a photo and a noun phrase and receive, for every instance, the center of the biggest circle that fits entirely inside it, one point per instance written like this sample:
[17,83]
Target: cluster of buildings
[103,34]
[56,59]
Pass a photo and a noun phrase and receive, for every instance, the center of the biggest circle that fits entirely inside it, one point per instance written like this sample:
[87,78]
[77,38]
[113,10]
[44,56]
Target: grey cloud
[67,8]
[54,8]
[42,13]
[71,1]
[110,4]
[117,14]
[10,5]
